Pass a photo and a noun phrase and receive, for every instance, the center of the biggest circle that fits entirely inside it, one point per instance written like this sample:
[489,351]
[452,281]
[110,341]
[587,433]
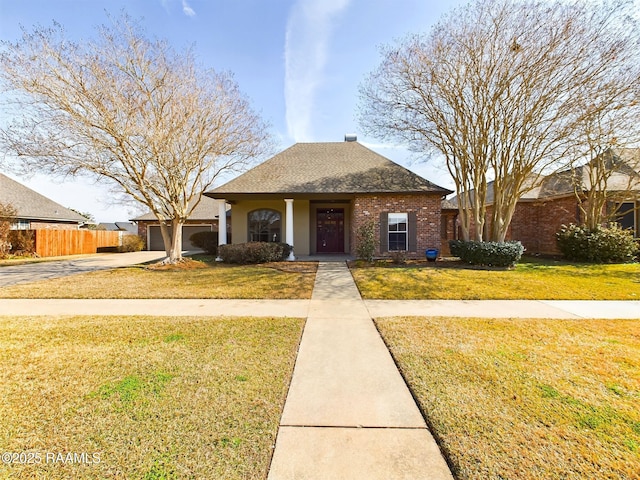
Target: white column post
[222,225]
[289,226]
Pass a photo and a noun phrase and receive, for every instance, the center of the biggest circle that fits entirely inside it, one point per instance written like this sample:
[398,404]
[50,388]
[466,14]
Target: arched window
[265,226]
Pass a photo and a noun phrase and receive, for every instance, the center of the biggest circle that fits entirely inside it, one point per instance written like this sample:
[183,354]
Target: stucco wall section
[144,224]
[240,222]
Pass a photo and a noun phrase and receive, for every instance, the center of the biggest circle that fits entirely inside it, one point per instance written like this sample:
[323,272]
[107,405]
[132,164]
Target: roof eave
[50,219]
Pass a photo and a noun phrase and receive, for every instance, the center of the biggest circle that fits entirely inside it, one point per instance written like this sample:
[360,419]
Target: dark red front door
[330,230]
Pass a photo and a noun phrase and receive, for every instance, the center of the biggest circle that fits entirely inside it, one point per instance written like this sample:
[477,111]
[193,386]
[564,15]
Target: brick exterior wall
[54,226]
[449,229]
[427,208]
[535,223]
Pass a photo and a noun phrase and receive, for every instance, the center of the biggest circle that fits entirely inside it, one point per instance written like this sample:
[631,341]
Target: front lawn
[526,399]
[142,397]
[532,279]
[203,278]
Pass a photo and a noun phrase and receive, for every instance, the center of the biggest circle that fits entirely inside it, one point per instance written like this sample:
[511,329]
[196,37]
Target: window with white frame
[398,231]
[264,226]
[21,224]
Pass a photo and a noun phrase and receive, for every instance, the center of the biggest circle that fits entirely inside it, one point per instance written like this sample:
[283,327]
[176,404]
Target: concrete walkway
[567,309]
[348,413]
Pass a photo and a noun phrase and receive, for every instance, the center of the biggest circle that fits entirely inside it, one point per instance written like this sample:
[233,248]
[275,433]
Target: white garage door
[155,237]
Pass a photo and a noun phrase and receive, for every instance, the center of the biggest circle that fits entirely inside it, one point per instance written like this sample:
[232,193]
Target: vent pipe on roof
[350,137]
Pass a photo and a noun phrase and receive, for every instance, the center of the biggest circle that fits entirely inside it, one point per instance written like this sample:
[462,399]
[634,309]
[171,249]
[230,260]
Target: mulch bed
[445,262]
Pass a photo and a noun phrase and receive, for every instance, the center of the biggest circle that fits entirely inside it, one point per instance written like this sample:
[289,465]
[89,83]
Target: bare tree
[498,88]
[606,183]
[606,167]
[7,217]
[129,110]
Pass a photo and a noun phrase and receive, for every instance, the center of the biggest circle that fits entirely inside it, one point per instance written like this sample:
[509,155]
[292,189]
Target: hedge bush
[207,241]
[366,241]
[494,254]
[602,245]
[131,243]
[254,252]
[23,242]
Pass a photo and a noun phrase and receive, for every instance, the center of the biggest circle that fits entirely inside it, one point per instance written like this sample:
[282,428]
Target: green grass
[532,279]
[150,398]
[526,399]
[203,278]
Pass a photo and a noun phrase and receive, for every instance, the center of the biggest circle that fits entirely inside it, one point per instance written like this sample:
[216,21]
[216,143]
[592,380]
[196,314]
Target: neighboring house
[542,211]
[128,227]
[203,218]
[35,211]
[315,196]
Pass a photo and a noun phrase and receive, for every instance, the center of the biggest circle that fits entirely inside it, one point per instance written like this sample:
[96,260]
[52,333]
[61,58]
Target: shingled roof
[565,182]
[207,209]
[331,167]
[30,205]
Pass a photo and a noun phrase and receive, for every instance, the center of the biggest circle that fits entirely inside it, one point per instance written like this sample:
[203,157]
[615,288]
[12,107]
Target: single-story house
[35,211]
[316,196]
[541,212]
[203,218]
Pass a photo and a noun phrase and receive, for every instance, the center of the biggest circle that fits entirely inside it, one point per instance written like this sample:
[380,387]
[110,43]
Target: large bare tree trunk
[172,238]
[175,253]
[166,233]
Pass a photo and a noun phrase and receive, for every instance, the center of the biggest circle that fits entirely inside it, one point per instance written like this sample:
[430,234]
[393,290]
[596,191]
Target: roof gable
[31,205]
[331,167]
[566,182]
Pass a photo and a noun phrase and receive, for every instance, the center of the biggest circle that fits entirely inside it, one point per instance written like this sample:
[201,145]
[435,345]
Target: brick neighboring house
[35,211]
[315,196]
[203,218]
[541,212]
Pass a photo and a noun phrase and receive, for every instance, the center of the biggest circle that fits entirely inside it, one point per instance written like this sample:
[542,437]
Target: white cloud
[187,10]
[305,51]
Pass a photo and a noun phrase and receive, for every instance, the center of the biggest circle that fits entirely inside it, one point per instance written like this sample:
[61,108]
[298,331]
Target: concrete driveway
[33,272]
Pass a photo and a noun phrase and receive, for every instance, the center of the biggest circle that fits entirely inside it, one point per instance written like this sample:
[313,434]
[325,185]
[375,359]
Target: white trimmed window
[264,226]
[21,224]
[398,231]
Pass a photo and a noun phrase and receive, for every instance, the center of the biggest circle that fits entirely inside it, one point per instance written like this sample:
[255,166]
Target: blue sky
[299,62]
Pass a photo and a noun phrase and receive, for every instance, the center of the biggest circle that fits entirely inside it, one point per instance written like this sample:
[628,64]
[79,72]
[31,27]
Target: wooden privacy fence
[52,243]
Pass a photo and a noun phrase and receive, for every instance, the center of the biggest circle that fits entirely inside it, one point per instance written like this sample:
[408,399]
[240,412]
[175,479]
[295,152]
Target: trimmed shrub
[493,254]
[131,243]
[207,241]
[23,242]
[398,257]
[602,245]
[366,241]
[254,252]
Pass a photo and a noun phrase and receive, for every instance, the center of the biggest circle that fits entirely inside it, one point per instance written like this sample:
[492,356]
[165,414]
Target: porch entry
[330,230]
